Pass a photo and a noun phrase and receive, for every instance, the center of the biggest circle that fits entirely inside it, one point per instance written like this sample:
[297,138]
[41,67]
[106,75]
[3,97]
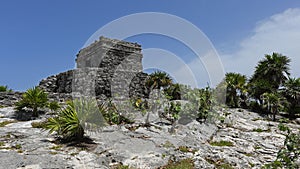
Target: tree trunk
[35,112]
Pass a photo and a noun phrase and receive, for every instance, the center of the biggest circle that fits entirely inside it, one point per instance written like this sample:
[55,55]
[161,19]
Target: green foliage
[53,106]
[4,89]
[221,143]
[33,98]
[175,91]
[140,104]
[186,149]
[182,164]
[120,166]
[290,153]
[273,103]
[41,124]
[18,146]
[172,111]
[70,121]
[199,105]
[2,144]
[4,123]
[236,89]
[158,79]
[168,144]
[283,127]
[112,115]
[259,130]
[291,92]
[274,69]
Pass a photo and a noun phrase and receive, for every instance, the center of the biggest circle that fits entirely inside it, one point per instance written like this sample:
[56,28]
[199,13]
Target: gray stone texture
[9,98]
[106,68]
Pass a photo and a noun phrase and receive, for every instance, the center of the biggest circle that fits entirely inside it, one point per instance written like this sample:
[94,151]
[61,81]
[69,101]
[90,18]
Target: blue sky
[42,38]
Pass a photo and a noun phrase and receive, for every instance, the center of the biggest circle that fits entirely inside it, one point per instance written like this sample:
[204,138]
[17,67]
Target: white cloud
[197,73]
[278,33]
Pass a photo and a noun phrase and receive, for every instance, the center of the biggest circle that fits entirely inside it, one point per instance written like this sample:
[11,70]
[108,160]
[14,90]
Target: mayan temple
[105,68]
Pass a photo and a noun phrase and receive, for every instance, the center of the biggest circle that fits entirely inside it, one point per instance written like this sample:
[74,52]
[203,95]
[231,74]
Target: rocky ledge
[244,140]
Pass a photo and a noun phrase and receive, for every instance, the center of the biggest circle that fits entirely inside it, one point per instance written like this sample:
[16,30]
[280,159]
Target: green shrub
[259,130]
[41,124]
[4,123]
[70,121]
[182,164]
[283,127]
[4,89]
[186,149]
[33,98]
[168,144]
[53,105]
[112,115]
[221,143]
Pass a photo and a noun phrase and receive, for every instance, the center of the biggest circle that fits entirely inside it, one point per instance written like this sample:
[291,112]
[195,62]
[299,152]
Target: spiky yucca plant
[78,115]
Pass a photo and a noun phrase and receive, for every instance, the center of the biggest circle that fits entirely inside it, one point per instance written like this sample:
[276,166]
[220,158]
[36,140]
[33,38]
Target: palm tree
[157,80]
[273,103]
[33,98]
[291,91]
[274,69]
[236,88]
[174,91]
[78,115]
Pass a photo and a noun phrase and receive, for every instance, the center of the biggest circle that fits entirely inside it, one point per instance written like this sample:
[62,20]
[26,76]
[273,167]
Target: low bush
[221,143]
[4,89]
[34,98]
[41,124]
[71,121]
[290,153]
[182,164]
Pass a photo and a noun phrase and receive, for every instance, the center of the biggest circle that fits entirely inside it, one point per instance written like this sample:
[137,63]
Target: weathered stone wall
[106,68]
[9,98]
[94,82]
[110,52]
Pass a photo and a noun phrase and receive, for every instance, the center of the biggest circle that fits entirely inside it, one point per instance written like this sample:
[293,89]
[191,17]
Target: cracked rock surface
[254,142]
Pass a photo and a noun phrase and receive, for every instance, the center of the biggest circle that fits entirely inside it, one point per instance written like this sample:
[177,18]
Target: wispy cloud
[278,33]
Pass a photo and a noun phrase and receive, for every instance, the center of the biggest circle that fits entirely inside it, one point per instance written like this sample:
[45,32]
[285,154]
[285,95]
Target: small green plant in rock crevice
[221,143]
[186,149]
[182,164]
[4,123]
[290,153]
[112,114]
[41,124]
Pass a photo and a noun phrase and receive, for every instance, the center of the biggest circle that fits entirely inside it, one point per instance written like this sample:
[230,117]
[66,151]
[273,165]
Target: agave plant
[79,115]
[33,98]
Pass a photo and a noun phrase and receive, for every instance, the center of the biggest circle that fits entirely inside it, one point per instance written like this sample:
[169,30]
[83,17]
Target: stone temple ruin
[106,68]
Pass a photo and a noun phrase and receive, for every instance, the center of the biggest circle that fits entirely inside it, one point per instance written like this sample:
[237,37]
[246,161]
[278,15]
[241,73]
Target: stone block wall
[106,68]
[9,98]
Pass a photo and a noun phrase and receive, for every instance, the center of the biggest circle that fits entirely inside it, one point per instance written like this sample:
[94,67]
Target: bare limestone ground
[250,141]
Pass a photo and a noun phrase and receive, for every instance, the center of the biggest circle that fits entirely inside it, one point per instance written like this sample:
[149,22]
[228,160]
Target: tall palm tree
[291,91]
[236,88]
[273,102]
[273,68]
[157,80]
[175,91]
